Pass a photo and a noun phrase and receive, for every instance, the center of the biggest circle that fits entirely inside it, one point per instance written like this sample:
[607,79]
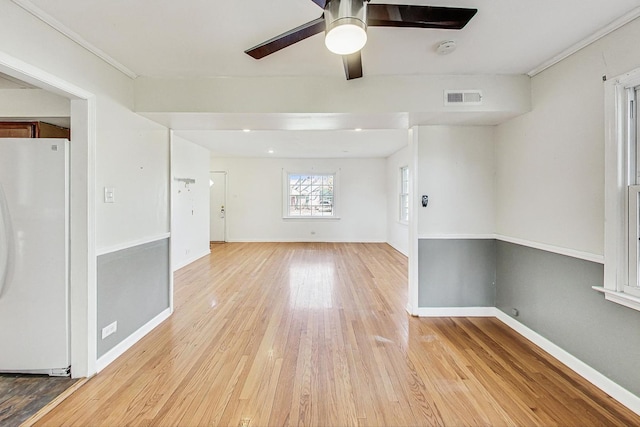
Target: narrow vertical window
[633,212]
[404,194]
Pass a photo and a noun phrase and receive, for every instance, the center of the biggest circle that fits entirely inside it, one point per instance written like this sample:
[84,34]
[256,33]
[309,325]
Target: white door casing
[82,262]
[218,201]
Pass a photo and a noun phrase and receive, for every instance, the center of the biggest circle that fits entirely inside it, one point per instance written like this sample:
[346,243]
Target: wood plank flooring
[316,334]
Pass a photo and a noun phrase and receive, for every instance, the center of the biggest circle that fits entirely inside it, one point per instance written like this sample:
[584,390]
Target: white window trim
[285,194]
[632,239]
[617,180]
[400,219]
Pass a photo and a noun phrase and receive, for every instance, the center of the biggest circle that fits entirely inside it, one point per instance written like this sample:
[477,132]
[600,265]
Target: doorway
[38,391]
[82,257]
[218,206]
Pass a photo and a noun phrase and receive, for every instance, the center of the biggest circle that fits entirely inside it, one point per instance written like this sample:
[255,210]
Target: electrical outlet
[109,329]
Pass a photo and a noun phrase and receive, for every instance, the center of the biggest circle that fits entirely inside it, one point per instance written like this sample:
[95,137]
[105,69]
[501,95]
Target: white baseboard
[403,251]
[306,240]
[189,260]
[456,312]
[605,384]
[128,342]
[434,236]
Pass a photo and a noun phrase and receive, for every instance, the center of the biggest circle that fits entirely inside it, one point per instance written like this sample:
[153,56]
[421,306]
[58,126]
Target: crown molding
[623,20]
[72,35]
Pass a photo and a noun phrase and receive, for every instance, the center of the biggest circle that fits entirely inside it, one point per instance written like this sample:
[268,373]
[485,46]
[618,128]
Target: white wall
[190,203]
[397,233]
[21,103]
[132,156]
[550,162]
[456,171]
[254,200]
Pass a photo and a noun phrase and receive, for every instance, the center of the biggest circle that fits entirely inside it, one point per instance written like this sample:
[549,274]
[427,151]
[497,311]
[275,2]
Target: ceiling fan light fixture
[345,23]
[345,26]
[346,38]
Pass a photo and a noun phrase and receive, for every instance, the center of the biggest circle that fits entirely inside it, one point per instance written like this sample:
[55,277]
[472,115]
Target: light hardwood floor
[317,335]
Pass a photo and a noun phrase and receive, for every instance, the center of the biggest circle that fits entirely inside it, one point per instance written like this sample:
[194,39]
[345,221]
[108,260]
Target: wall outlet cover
[109,329]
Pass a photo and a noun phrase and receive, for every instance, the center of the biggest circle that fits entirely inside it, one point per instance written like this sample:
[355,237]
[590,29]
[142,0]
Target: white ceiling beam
[332,95]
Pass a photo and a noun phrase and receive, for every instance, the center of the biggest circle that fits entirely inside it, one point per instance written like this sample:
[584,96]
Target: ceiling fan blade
[352,65]
[321,3]
[287,39]
[400,15]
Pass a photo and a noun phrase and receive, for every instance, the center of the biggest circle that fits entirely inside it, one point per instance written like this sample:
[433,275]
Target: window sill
[314,218]
[621,298]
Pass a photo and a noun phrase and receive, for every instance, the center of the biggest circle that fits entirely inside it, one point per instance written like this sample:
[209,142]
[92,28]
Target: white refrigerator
[34,254]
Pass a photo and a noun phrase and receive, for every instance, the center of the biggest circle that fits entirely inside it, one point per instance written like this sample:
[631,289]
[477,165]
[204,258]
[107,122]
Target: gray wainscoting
[456,272]
[133,288]
[553,296]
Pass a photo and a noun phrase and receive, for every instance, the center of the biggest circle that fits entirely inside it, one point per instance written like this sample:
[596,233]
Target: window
[622,191]
[633,236]
[633,287]
[404,194]
[310,195]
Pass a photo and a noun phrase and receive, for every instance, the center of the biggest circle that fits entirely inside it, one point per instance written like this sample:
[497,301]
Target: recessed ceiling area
[8,82]
[310,135]
[21,101]
[300,144]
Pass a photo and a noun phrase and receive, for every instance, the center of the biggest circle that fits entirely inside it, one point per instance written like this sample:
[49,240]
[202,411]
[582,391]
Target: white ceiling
[172,38]
[203,38]
[7,82]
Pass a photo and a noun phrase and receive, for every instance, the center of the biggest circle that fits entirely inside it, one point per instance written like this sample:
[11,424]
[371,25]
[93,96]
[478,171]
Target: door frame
[82,226]
[226,207]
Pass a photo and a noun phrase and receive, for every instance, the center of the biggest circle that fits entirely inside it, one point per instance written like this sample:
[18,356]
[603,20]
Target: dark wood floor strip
[21,396]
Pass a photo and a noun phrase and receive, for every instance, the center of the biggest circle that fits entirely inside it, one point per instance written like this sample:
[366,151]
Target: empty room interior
[320,212]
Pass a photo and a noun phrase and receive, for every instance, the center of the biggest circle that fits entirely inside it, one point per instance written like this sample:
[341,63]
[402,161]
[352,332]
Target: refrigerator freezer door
[34,302]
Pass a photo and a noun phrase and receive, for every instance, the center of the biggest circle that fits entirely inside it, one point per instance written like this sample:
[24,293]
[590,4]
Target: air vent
[462,97]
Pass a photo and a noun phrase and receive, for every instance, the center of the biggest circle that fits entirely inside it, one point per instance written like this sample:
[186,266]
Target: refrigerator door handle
[5,240]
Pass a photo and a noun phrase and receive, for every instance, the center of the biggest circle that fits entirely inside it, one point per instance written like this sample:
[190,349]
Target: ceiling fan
[345,23]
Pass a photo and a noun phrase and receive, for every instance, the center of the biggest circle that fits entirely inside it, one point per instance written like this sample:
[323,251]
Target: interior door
[218,193]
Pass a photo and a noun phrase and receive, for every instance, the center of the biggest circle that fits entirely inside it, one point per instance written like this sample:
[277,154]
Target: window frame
[286,195]
[622,174]
[632,287]
[403,196]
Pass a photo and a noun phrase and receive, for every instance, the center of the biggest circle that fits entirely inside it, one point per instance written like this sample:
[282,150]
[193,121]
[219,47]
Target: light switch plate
[109,195]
